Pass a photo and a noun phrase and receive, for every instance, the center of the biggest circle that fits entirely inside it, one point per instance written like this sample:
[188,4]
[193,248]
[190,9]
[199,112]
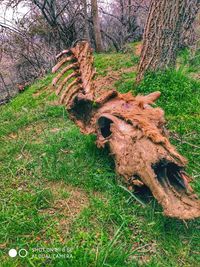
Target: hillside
[59,191]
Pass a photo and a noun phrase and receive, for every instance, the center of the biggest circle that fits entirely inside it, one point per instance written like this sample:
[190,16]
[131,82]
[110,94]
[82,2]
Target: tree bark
[188,34]
[162,34]
[5,87]
[96,25]
[87,32]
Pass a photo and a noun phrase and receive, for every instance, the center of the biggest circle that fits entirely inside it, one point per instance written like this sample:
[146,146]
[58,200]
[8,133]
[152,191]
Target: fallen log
[131,128]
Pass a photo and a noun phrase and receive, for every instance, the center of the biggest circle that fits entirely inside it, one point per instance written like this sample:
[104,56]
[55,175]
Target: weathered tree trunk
[87,32]
[188,34]
[5,87]
[131,128]
[162,34]
[96,25]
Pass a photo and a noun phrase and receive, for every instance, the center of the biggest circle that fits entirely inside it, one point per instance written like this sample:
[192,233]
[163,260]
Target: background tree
[30,42]
[165,23]
[85,12]
[96,26]
[188,34]
[123,22]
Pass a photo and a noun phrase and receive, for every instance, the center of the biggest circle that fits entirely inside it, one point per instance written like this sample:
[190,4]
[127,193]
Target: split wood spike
[131,128]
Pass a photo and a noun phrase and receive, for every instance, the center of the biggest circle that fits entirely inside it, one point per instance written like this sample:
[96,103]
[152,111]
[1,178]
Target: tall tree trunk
[96,25]
[188,34]
[162,34]
[87,33]
[5,87]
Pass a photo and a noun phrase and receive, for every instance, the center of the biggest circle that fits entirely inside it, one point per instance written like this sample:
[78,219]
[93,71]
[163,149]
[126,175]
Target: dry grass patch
[105,83]
[41,91]
[68,202]
[138,49]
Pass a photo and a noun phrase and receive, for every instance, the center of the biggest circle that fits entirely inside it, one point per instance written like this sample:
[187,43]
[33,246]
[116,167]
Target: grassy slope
[59,190]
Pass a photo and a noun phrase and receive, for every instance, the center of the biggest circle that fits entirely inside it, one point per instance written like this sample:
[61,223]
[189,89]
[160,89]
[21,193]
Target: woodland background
[33,32]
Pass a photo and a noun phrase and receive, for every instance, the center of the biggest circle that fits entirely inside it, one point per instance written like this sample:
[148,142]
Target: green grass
[59,191]
[106,62]
[180,98]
